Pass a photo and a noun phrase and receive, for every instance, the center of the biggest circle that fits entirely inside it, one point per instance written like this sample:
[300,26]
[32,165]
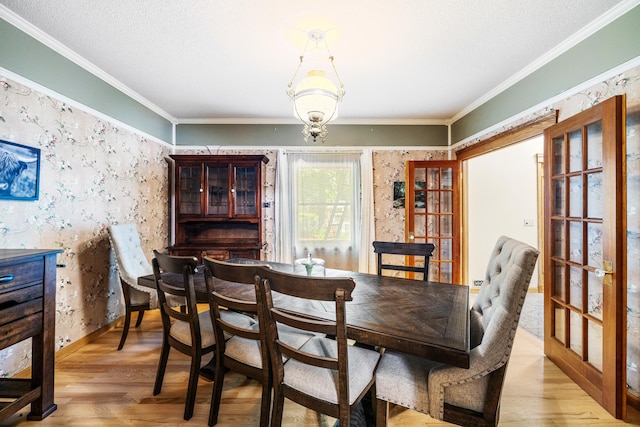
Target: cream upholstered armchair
[466,396]
[132,266]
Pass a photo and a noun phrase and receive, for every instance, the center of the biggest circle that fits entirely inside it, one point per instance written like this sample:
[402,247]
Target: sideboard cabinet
[28,310]
[217,205]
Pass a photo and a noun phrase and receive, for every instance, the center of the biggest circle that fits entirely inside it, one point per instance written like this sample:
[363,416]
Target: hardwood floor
[99,386]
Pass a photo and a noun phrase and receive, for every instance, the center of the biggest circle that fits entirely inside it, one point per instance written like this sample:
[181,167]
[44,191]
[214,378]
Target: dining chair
[187,331]
[132,267]
[326,374]
[246,351]
[457,395]
[424,250]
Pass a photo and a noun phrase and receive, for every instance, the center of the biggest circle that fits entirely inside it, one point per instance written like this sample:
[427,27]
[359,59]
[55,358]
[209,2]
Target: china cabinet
[217,205]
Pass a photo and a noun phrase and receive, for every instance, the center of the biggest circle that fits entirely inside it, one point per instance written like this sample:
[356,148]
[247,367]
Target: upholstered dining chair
[466,396]
[245,351]
[423,250]
[187,331]
[326,375]
[132,267]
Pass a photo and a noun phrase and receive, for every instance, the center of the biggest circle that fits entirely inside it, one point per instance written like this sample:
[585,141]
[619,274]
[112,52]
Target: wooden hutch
[216,208]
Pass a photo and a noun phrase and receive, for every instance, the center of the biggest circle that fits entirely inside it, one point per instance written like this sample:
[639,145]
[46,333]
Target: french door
[585,244]
[433,214]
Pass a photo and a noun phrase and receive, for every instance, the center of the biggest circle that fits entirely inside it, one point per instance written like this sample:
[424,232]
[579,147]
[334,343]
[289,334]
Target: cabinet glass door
[245,191]
[190,190]
[218,190]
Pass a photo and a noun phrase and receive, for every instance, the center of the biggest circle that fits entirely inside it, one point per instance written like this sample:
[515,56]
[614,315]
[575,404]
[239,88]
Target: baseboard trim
[76,345]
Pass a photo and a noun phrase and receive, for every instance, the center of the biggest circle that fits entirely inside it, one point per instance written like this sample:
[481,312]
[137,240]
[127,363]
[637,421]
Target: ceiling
[229,61]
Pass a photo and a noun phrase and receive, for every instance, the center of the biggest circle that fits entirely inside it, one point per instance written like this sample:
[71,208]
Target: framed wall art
[19,171]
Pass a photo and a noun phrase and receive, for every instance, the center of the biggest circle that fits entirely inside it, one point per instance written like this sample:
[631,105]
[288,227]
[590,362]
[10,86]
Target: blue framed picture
[19,171]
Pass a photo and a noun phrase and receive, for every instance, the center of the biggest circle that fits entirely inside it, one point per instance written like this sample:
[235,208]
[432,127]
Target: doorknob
[606,273]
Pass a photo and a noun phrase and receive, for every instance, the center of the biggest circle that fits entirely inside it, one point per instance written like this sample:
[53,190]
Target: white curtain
[283,202]
[367,262]
[324,207]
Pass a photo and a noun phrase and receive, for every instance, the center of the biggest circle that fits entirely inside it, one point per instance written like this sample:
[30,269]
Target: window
[325,207]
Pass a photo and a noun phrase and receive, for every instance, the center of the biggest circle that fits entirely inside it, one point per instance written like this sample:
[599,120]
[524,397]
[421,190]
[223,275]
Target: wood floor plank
[99,386]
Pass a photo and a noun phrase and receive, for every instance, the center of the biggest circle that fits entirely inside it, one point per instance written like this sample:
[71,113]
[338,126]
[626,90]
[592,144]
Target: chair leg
[140,316]
[265,405]
[216,394]
[192,388]
[162,366]
[382,412]
[278,406]
[125,328]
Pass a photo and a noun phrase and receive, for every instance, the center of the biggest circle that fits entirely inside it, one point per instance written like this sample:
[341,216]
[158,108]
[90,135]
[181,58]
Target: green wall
[608,48]
[291,135]
[27,57]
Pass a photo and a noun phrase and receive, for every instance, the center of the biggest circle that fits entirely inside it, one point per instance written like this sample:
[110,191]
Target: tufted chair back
[494,317]
[129,255]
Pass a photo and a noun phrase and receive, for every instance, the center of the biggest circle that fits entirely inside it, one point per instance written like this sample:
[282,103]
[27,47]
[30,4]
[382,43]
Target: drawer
[21,329]
[20,303]
[21,274]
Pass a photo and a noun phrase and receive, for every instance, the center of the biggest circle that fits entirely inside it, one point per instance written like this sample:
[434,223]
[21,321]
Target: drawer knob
[6,278]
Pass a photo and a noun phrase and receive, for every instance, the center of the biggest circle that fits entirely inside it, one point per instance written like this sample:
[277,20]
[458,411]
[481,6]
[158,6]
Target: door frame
[520,133]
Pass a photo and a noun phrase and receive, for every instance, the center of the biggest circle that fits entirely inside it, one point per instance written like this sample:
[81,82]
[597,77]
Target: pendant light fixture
[315,97]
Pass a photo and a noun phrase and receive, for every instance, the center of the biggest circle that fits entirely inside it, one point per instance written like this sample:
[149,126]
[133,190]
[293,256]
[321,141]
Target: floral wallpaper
[92,173]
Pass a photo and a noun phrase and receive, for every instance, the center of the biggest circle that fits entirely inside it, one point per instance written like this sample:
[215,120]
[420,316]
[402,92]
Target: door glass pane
[594,353]
[558,197]
[575,196]
[594,303]
[419,195]
[419,226]
[434,271]
[575,151]
[575,241]
[446,272]
[446,201]
[575,287]
[445,249]
[594,245]
[558,155]
[559,322]
[594,145]
[447,226]
[575,332]
[433,201]
[190,190]
[558,239]
[433,225]
[218,184]
[433,178]
[558,281]
[595,208]
[447,179]
[245,191]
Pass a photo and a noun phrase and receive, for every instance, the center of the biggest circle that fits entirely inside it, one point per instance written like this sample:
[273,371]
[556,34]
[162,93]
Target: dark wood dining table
[425,319]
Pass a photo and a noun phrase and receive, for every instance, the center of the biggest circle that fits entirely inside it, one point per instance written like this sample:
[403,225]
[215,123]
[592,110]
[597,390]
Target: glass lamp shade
[316,98]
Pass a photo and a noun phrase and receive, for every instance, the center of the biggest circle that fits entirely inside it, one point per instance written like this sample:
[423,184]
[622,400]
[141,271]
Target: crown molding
[44,38]
[590,29]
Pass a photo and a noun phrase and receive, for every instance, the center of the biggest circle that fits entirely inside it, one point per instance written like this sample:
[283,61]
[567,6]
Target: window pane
[325,207]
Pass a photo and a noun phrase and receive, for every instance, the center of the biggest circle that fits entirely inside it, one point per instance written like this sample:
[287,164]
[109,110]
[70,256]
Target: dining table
[421,318]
